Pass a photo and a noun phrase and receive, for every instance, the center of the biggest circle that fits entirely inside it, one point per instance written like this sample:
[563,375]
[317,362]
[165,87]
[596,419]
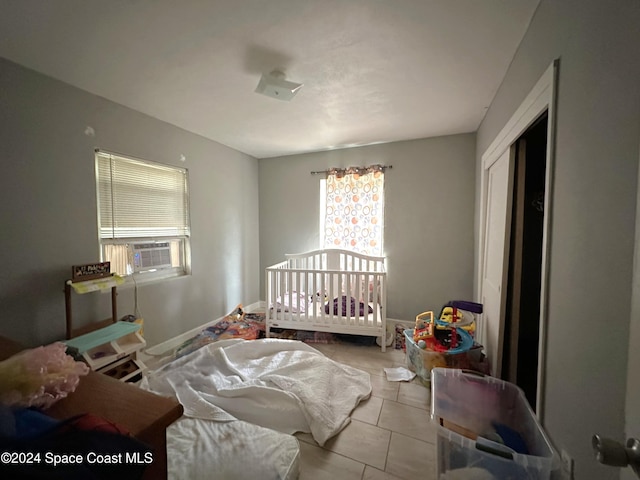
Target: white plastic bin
[421,361]
[485,423]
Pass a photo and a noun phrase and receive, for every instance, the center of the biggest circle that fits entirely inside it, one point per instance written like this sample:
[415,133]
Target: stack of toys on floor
[445,341]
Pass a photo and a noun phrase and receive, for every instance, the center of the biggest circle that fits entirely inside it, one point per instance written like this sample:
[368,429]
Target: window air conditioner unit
[151,256]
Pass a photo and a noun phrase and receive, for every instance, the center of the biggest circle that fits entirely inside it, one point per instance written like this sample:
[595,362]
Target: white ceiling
[373,70]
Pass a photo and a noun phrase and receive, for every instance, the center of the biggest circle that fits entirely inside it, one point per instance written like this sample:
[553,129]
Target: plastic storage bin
[422,361]
[484,423]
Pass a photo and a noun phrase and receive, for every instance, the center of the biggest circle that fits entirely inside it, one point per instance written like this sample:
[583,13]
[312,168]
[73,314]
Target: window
[143,216]
[352,210]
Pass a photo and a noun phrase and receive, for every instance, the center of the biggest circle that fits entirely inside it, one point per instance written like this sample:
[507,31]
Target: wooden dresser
[144,414]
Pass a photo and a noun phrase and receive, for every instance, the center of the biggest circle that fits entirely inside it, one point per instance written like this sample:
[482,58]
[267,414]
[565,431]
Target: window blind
[141,199]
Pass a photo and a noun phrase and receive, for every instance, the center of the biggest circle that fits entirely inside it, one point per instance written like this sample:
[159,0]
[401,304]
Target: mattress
[206,449]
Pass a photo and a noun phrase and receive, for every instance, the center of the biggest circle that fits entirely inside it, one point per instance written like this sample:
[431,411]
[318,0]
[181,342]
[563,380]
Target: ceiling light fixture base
[275,86]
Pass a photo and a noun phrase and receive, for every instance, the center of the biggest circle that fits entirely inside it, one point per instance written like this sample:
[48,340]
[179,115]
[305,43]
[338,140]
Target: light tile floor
[390,435]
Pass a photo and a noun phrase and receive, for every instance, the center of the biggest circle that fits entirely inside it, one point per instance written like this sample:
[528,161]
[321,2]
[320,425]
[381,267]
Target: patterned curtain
[354,218]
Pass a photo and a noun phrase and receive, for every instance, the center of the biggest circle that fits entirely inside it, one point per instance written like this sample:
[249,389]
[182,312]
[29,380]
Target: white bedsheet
[280,384]
[299,303]
[203,449]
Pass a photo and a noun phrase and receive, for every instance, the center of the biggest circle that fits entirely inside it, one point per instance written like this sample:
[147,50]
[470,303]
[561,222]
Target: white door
[496,253]
[632,413]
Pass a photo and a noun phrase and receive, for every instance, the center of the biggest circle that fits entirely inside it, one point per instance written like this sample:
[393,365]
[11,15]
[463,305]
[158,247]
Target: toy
[440,335]
[461,318]
[423,331]
[452,340]
[461,312]
[433,360]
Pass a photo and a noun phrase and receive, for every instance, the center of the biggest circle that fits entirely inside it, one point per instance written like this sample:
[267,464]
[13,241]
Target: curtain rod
[380,167]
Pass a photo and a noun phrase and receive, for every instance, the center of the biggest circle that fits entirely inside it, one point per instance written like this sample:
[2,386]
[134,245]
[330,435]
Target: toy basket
[486,423]
[422,361]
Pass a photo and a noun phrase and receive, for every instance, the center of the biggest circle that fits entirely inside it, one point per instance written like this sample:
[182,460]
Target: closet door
[496,255]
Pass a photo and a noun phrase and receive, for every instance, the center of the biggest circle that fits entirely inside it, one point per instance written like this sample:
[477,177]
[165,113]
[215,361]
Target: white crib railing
[302,291]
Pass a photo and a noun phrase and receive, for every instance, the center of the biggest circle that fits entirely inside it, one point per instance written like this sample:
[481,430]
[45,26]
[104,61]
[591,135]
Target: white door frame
[542,97]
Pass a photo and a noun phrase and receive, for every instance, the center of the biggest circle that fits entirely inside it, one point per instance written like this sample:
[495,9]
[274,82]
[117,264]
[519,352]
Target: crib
[329,290]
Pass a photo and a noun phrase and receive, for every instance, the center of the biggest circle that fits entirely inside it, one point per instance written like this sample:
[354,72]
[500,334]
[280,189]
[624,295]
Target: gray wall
[429,195]
[593,210]
[48,211]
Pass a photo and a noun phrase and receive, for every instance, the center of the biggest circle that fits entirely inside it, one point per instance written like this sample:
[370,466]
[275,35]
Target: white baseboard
[165,347]
[162,348]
